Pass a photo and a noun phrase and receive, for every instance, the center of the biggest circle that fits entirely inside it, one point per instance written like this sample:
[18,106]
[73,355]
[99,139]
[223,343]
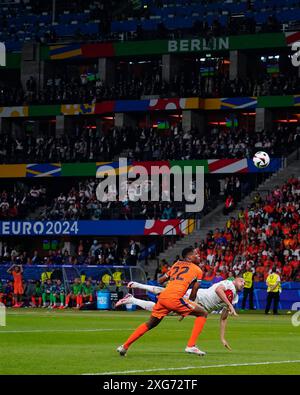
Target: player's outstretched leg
[130,299]
[150,288]
[199,323]
[139,332]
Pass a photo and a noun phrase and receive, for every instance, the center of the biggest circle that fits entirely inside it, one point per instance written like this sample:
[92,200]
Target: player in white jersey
[219,297]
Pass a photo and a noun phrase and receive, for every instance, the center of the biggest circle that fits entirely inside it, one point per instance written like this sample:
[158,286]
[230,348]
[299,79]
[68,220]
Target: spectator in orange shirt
[209,275]
[228,235]
[216,234]
[294,242]
[269,232]
[268,208]
[287,271]
[277,262]
[224,273]
[253,248]
[286,230]
[228,258]
[260,270]
[276,225]
[295,265]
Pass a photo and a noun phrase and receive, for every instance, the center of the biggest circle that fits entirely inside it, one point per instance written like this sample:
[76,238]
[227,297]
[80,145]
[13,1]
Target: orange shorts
[18,289]
[182,306]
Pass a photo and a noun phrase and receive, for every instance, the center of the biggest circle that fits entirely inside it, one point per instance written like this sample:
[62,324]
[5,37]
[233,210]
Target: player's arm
[223,323]
[21,268]
[220,291]
[11,268]
[194,291]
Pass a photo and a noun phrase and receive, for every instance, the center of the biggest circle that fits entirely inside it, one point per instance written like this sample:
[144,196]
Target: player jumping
[181,276]
[211,299]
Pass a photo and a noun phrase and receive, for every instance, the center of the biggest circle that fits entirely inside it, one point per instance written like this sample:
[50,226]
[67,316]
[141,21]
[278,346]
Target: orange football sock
[140,331]
[197,329]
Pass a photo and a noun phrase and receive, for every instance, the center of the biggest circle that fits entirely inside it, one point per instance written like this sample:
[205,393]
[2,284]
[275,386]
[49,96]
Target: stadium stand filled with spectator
[184,84]
[264,235]
[147,144]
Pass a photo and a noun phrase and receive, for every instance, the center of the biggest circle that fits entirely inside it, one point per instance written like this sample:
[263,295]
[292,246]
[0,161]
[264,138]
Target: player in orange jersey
[181,276]
[17,273]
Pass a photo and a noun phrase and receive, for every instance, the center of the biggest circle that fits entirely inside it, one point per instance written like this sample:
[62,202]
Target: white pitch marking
[193,367]
[66,330]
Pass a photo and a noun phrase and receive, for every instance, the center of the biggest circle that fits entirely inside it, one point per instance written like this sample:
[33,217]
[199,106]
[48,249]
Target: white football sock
[144,304]
[150,288]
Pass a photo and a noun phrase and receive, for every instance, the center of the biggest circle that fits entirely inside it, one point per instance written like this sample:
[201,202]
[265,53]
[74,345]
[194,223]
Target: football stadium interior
[200,98]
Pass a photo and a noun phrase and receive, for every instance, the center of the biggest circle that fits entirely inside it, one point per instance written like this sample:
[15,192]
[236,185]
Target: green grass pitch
[82,342]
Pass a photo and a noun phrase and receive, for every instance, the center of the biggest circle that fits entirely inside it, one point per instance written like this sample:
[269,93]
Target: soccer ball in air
[261,159]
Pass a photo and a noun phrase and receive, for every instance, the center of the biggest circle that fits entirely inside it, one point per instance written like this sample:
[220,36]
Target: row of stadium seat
[174,15]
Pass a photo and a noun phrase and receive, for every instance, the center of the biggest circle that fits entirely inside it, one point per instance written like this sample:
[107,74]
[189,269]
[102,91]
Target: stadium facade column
[170,66]
[238,65]
[63,124]
[123,119]
[99,126]
[106,70]
[16,128]
[193,120]
[32,65]
[263,119]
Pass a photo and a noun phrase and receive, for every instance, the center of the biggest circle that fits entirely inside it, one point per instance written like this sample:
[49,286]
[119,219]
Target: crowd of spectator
[79,89]
[86,144]
[81,202]
[263,236]
[87,253]
[20,201]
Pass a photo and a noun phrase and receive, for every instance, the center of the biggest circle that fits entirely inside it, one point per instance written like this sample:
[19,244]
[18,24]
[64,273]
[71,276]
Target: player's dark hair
[186,252]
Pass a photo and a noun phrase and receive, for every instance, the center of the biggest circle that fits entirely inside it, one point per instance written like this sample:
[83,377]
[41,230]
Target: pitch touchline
[192,367]
[72,314]
[66,330]
[78,330]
